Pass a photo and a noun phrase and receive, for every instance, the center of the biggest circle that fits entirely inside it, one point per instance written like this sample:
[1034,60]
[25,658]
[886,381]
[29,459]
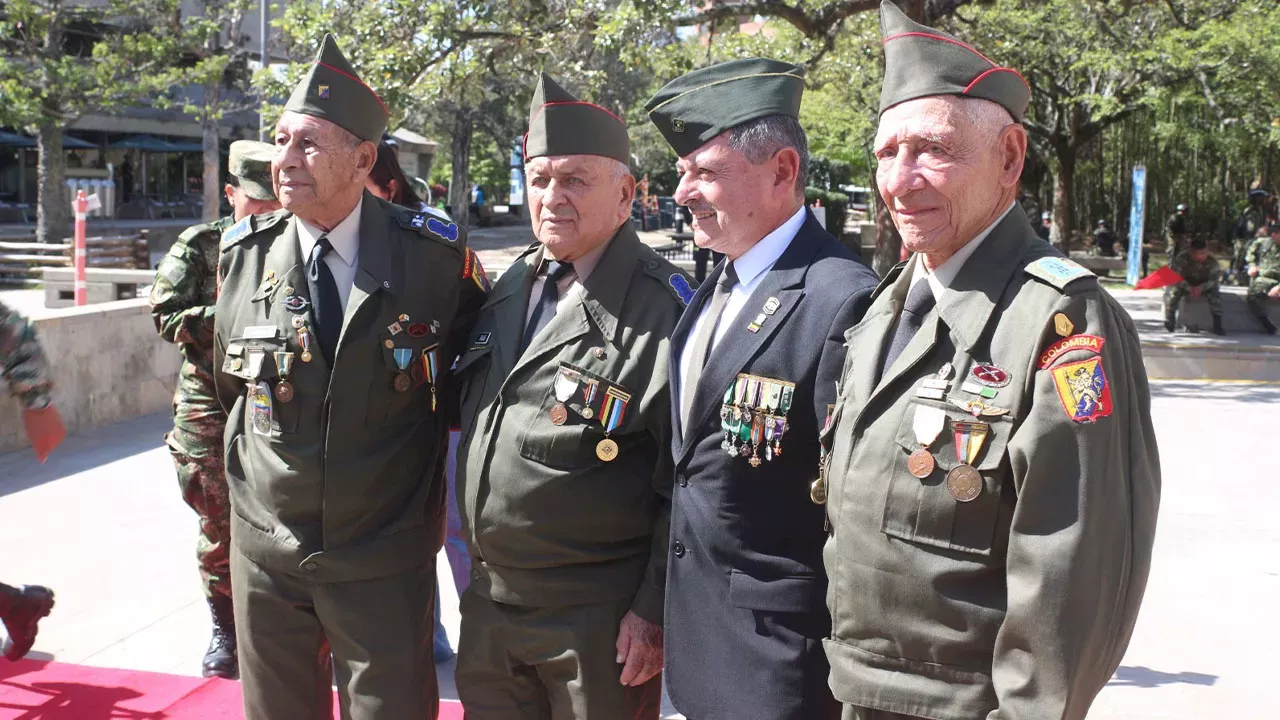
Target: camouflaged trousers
[1174,295]
[196,446]
[1256,297]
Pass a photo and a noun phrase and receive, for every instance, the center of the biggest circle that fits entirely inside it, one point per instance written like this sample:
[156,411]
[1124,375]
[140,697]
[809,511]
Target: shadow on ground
[19,469]
[1145,677]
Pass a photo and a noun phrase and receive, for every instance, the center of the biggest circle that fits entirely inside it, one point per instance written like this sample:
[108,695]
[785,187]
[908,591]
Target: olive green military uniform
[1175,234]
[1203,275]
[22,361]
[182,305]
[1263,254]
[992,489]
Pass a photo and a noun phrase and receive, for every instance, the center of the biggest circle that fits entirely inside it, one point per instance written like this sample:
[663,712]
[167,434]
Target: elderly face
[577,202]
[318,166]
[944,171]
[725,193]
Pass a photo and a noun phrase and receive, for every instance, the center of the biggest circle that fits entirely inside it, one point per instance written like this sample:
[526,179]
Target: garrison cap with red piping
[332,91]
[920,61]
[561,124]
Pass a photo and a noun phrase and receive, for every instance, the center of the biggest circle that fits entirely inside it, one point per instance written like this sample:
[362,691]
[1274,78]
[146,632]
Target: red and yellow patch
[1084,389]
[471,268]
[1091,343]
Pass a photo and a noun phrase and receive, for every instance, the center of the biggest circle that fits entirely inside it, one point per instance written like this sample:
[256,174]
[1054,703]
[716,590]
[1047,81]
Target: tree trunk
[212,165]
[1064,175]
[459,185]
[888,241]
[53,216]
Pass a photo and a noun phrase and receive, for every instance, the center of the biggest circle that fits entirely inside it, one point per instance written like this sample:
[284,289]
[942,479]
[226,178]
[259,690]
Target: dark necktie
[920,301]
[701,348]
[326,307]
[545,309]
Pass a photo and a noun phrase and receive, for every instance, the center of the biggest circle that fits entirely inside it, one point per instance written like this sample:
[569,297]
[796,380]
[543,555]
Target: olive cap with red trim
[693,109]
[561,124]
[920,61]
[331,90]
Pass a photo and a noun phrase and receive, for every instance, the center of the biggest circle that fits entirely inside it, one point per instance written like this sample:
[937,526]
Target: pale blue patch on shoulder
[1057,271]
[680,284]
[237,231]
[443,230]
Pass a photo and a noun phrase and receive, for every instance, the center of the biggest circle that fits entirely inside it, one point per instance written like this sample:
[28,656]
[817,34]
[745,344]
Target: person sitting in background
[1104,240]
[1200,274]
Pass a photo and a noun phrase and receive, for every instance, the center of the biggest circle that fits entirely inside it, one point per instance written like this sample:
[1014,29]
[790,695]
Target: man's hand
[45,430]
[1253,271]
[639,649]
[1274,292]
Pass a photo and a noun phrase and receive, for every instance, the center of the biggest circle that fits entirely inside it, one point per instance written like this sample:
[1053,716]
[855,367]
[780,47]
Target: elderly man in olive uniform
[993,472]
[563,479]
[336,325]
[757,356]
[182,305]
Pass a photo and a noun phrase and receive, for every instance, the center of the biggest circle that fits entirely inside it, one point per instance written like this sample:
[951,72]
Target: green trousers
[860,713]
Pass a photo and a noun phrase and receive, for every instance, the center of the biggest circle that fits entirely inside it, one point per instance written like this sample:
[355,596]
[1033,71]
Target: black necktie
[325,305]
[546,307]
[919,302]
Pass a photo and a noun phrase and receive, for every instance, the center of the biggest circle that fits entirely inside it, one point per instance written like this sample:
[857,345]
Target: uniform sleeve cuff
[648,604]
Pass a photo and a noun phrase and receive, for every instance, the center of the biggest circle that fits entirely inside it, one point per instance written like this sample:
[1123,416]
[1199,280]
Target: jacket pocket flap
[792,593]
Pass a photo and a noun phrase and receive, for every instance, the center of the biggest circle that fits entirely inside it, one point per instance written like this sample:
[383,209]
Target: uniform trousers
[853,712]
[557,663]
[379,634]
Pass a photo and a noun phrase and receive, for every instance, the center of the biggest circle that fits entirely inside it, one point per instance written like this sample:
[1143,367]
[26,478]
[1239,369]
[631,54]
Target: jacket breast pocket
[948,508]
[406,380]
[267,403]
[573,442]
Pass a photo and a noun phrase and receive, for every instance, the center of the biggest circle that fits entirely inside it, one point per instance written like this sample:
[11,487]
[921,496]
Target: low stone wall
[108,365]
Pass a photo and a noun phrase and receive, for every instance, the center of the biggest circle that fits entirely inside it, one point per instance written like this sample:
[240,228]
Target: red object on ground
[57,691]
[1163,277]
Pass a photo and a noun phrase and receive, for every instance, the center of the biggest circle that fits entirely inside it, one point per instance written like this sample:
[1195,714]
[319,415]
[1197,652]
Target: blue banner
[517,172]
[1137,218]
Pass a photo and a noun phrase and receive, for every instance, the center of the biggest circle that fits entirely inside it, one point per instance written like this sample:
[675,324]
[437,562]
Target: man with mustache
[993,473]
[336,325]
[755,358]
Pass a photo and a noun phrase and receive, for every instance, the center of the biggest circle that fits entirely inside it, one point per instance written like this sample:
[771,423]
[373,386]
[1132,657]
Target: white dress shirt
[945,274]
[344,259]
[751,268]
[582,268]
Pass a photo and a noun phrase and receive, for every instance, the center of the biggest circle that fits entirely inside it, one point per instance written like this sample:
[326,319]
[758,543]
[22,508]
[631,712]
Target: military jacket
[23,363]
[553,512]
[1176,226]
[1265,254]
[1000,577]
[1197,274]
[335,472]
[182,306]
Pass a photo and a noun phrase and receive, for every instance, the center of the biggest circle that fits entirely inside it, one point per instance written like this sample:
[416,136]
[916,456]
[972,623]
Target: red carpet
[41,690]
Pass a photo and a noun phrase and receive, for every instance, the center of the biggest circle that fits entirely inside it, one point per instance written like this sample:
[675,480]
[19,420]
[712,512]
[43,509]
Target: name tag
[260,332]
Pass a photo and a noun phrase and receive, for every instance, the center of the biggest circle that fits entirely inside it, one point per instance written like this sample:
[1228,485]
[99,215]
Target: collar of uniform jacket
[942,277]
[606,286]
[345,236]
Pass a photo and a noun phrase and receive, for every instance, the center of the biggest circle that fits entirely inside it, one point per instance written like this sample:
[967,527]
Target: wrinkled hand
[45,430]
[639,649]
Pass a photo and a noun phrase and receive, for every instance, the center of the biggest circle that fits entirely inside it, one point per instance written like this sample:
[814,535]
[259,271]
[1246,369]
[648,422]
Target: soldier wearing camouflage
[23,362]
[1263,263]
[1176,229]
[182,306]
[1252,222]
[1199,271]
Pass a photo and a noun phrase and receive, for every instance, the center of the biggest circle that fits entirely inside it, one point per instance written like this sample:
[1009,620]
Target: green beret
[693,109]
[250,162]
[921,62]
[561,124]
[331,90]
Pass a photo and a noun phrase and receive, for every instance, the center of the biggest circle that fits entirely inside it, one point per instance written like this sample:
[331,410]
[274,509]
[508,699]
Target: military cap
[250,162]
[693,109]
[920,61]
[331,90]
[561,124]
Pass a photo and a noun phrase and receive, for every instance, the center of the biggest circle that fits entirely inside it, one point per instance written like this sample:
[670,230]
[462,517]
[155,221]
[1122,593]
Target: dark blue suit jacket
[746,611]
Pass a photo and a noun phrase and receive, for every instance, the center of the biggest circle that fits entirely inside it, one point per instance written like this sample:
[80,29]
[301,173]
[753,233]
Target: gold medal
[964,483]
[818,491]
[559,415]
[284,391]
[306,356]
[921,463]
[587,413]
[401,382]
[607,450]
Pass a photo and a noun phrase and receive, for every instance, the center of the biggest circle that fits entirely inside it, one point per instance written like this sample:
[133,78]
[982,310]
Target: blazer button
[677,547]
[682,481]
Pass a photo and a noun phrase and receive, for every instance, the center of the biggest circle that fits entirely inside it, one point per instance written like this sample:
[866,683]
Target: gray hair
[761,138]
[987,116]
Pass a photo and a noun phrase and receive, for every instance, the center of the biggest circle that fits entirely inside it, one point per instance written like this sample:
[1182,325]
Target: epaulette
[433,224]
[250,226]
[216,227]
[668,274]
[1058,271]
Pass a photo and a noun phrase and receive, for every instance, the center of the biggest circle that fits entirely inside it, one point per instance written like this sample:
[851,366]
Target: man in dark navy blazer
[755,360]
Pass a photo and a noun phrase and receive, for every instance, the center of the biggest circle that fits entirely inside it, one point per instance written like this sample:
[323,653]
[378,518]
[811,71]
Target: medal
[780,422]
[304,340]
[818,489]
[589,397]
[969,439]
[921,463]
[964,483]
[255,359]
[757,436]
[431,370]
[403,356]
[284,363]
[977,408]
[401,383]
[298,321]
[260,409]
[927,425]
[607,450]
[559,415]
[615,409]
[284,391]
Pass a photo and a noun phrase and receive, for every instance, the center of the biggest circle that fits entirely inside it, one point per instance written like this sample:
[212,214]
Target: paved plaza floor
[102,523]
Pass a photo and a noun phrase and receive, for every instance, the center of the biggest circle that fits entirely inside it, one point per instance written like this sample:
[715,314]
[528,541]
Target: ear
[393,188]
[1013,153]
[786,168]
[366,156]
[628,188]
[230,192]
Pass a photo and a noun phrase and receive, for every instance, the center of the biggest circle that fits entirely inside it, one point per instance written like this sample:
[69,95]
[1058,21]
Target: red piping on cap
[362,83]
[940,38]
[995,70]
[576,102]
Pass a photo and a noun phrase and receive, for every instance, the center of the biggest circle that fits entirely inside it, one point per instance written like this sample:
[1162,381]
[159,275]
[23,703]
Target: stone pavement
[102,523]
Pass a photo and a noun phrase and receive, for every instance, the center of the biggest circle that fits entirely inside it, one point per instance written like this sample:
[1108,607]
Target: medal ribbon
[615,408]
[403,357]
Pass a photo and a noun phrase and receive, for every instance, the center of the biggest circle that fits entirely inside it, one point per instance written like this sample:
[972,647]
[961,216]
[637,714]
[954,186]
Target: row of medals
[754,416]
[569,385]
[964,482]
[413,367]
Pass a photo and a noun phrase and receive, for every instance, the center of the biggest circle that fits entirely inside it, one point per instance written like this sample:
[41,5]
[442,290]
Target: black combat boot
[1268,327]
[1217,326]
[220,659]
[1170,323]
[21,610]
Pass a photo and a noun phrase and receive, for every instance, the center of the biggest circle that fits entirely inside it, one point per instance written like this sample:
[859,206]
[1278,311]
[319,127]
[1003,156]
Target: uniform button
[682,480]
[677,547]
[310,567]
[475,574]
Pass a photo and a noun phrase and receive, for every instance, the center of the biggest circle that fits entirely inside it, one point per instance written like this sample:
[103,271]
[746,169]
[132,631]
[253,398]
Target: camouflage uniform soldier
[26,370]
[1200,274]
[1263,260]
[1250,225]
[1175,231]
[182,302]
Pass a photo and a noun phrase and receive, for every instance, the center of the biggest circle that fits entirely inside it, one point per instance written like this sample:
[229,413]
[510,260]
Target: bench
[1099,264]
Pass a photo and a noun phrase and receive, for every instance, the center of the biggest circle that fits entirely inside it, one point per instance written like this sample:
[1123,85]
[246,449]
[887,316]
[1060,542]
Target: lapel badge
[598,353]
[298,321]
[435,327]
[1063,324]
[677,125]
[404,317]
[418,330]
[990,375]
[771,305]
[296,303]
[395,329]
[977,408]
[323,91]
[483,338]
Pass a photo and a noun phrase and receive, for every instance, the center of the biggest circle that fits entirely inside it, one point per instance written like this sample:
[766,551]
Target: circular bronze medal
[306,356]
[964,483]
[920,463]
[559,415]
[587,413]
[607,450]
[402,382]
[284,391]
[818,491]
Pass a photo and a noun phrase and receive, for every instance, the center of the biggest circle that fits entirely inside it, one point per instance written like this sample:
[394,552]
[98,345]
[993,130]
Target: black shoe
[1170,325]
[220,659]
[1268,327]
[21,610]
[1217,326]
